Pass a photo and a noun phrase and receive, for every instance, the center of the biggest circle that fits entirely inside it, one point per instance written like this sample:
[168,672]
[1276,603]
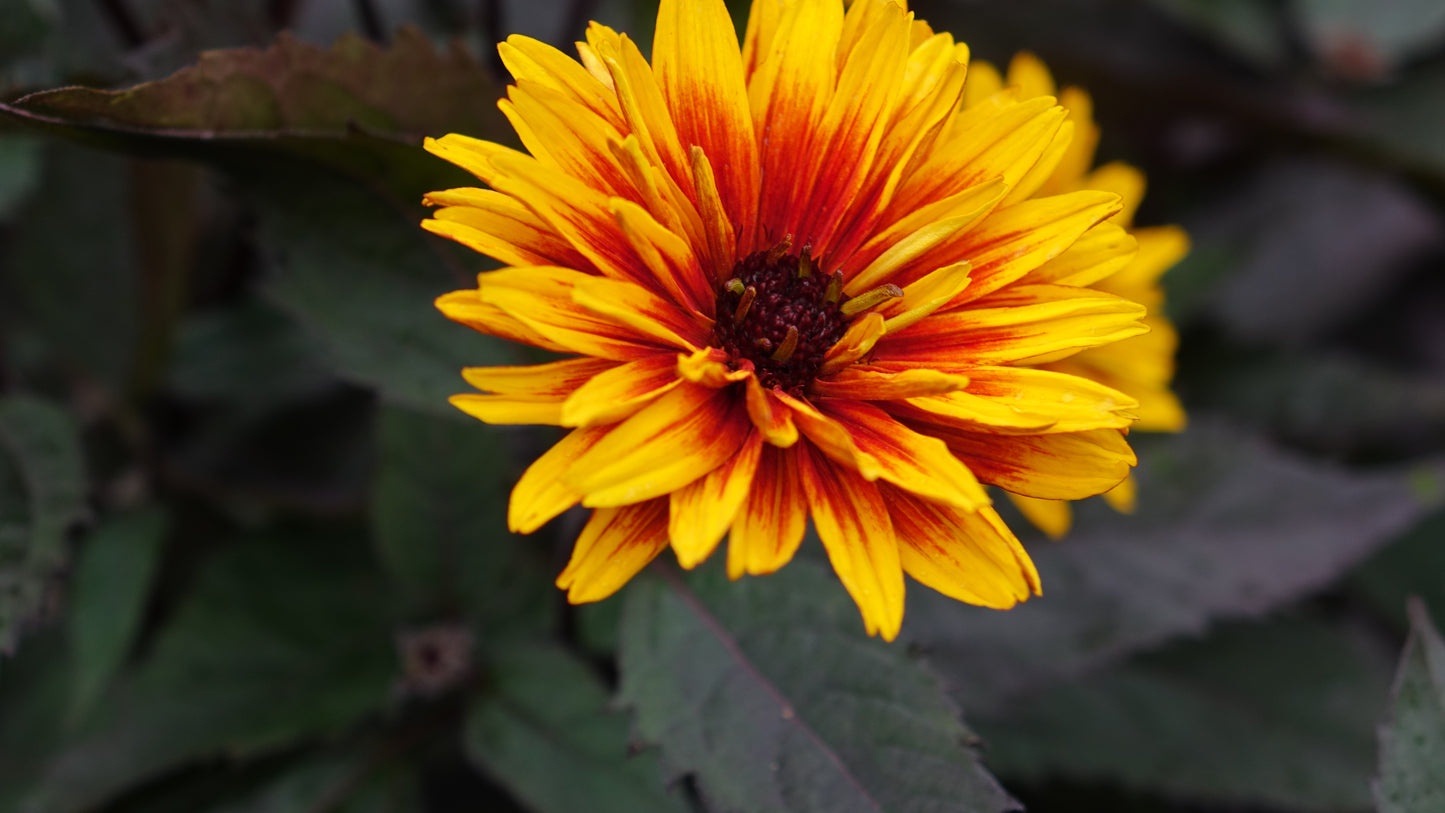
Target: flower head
[793,280]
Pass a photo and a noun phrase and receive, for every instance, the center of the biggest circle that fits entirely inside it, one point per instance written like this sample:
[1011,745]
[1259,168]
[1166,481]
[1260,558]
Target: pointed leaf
[354,106]
[42,495]
[542,729]
[1412,742]
[112,581]
[361,277]
[282,639]
[438,517]
[770,694]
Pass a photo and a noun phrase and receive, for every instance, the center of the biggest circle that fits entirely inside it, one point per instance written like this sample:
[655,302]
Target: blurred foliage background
[250,559]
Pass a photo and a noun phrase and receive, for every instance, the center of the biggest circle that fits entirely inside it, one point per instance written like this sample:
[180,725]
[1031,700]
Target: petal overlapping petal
[614,544]
[971,556]
[668,444]
[852,520]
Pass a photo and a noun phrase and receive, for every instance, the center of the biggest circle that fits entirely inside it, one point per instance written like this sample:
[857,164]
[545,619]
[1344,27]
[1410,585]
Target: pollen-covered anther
[871,299]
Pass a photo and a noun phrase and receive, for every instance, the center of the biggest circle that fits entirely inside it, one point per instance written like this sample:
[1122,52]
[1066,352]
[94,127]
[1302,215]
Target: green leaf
[768,691]
[293,86]
[354,107]
[112,580]
[72,291]
[1413,565]
[361,276]
[35,700]
[1412,741]
[42,495]
[1279,714]
[542,729]
[282,640]
[439,513]
[1227,527]
[248,354]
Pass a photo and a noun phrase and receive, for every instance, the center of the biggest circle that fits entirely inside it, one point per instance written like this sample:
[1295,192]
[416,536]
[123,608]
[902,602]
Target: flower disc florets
[782,314]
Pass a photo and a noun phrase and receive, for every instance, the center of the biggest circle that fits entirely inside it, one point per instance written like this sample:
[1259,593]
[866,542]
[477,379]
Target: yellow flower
[1143,365]
[793,280]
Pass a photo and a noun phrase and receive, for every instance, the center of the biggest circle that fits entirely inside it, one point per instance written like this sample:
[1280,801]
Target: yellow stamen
[868,299]
[776,252]
[749,294]
[785,350]
[835,288]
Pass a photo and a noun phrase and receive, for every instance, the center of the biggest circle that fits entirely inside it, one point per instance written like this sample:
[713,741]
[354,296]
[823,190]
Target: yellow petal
[970,556]
[700,513]
[879,384]
[504,410]
[1053,517]
[984,81]
[567,136]
[529,60]
[925,296]
[852,520]
[1063,466]
[1011,242]
[1102,252]
[935,224]
[526,395]
[540,494]
[619,391]
[674,267]
[1029,74]
[614,545]
[868,83]
[699,69]
[498,226]
[466,306]
[1037,323]
[669,443]
[542,299]
[711,367]
[769,526]
[858,341]
[1019,398]
[646,313]
[772,417]
[1122,497]
[645,109]
[905,458]
[556,379]
[1123,180]
[830,437]
[788,93]
[1160,248]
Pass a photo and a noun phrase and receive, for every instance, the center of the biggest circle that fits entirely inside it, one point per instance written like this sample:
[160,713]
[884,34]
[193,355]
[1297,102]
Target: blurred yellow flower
[1141,366]
[793,279]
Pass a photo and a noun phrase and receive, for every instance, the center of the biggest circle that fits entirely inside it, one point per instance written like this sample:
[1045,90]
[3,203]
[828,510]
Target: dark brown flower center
[782,313]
